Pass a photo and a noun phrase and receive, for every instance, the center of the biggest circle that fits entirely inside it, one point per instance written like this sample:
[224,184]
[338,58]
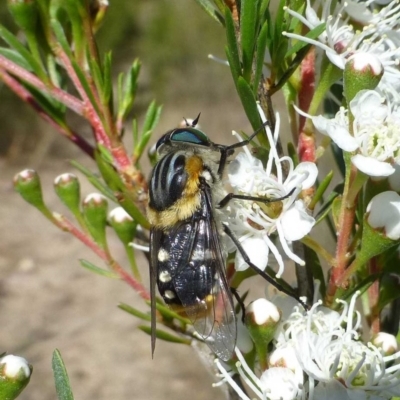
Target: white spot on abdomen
[169,294]
[163,255]
[164,276]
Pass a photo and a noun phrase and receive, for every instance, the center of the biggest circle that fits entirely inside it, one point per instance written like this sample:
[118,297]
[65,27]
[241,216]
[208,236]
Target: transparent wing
[155,238]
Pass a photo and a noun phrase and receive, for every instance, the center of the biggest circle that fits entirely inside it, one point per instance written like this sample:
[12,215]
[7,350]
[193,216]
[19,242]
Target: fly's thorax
[175,186]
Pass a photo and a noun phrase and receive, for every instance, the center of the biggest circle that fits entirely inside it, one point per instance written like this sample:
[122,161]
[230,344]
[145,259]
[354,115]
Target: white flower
[276,383]
[253,222]
[319,355]
[376,131]
[337,363]
[384,213]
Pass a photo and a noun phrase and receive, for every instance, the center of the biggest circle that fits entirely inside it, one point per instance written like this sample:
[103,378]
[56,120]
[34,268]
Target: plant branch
[67,226]
[65,98]
[26,96]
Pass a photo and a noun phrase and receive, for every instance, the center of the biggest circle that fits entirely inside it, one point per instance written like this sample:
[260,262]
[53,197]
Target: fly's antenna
[193,123]
[196,120]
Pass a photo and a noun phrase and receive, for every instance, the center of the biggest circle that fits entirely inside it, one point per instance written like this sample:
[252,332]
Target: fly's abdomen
[190,282]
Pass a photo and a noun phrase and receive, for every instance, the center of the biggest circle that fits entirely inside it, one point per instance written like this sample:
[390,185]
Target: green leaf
[249,103]
[389,290]
[169,314]
[336,207]
[151,119]
[312,261]
[15,57]
[248,26]
[261,46]
[107,79]
[321,190]
[95,181]
[373,243]
[61,38]
[329,75]
[63,387]
[97,270]
[127,86]
[134,312]
[231,50]
[14,43]
[85,85]
[163,335]
[209,8]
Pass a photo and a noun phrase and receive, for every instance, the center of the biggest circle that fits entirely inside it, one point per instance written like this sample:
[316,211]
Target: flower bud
[68,190]
[27,184]
[262,318]
[123,224]
[362,71]
[25,14]
[15,373]
[386,342]
[95,213]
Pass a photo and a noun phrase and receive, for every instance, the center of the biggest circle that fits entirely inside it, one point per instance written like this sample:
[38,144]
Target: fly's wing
[155,237]
[201,285]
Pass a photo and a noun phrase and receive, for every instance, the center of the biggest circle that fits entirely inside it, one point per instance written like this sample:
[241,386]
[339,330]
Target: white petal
[321,123]
[384,212]
[336,131]
[331,390]
[336,59]
[296,223]
[394,179]
[242,171]
[257,250]
[371,166]
[367,101]
[244,341]
[310,170]
[279,383]
[341,136]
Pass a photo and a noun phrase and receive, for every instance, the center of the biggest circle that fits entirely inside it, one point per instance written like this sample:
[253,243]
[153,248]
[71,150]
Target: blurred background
[47,300]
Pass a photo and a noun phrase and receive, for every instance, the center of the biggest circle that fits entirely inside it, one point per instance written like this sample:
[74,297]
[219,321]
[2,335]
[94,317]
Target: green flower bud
[123,224]
[95,208]
[68,190]
[27,184]
[15,373]
[25,14]
[362,71]
[262,318]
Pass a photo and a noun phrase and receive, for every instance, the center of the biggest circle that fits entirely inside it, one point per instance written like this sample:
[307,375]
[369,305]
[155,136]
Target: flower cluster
[320,355]
[375,136]
[283,212]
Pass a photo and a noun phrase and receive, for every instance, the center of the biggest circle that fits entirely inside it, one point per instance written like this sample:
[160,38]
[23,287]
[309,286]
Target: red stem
[66,225]
[121,158]
[306,141]
[25,96]
[63,97]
